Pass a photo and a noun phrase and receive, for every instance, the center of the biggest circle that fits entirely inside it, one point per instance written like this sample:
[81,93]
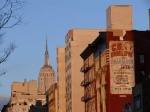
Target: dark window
[71,38]
[143,76]
[14,95]
[142,72]
[137,102]
[141,58]
[103,47]
[96,54]
[100,50]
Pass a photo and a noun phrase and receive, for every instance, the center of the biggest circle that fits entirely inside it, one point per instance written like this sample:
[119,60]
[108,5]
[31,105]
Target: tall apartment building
[76,41]
[23,95]
[46,76]
[119,17]
[61,79]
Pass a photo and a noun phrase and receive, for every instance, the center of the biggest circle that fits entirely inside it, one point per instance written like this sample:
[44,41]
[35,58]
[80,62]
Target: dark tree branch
[9,17]
[2,72]
[7,52]
[8,13]
[6,3]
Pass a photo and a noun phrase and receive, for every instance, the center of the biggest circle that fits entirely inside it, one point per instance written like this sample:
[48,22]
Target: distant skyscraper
[119,17]
[46,75]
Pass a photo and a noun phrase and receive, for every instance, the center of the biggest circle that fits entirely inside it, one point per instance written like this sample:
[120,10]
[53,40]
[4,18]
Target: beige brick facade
[76,41]
[24,87]
[119,17]
[23,95]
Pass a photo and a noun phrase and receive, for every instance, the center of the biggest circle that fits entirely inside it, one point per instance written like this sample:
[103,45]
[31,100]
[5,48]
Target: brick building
[113,64]
[109,72]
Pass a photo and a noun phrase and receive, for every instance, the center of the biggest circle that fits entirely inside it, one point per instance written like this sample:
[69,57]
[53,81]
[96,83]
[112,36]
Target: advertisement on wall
[121,55]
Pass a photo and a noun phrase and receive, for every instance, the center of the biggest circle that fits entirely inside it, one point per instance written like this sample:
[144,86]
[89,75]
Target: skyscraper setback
[46,75]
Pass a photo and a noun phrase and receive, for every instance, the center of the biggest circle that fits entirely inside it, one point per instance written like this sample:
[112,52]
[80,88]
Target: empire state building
[46,75]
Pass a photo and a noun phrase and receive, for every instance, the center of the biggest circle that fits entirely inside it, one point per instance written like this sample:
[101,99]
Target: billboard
[121,55]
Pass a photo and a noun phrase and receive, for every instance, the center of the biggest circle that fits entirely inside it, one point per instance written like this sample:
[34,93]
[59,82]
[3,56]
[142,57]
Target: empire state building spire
[46,55]
[47,75]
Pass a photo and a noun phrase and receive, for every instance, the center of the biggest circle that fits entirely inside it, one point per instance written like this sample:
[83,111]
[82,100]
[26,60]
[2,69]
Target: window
[137,102]
[97,53]
[142,72]
[71,38]
[141,58]
[143,76]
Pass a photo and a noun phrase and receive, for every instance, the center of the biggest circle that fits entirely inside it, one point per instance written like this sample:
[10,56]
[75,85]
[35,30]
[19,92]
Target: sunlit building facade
[61,79]
[23,95]
[119,17]
[76,41]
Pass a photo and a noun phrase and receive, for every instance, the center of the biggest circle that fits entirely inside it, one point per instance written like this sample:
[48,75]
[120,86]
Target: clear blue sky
[55,18]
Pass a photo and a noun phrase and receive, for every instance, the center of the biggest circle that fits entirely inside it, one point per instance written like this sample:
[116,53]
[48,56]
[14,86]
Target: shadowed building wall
[52,98]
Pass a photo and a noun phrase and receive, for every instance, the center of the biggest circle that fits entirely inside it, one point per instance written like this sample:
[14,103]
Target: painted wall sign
[121,55]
